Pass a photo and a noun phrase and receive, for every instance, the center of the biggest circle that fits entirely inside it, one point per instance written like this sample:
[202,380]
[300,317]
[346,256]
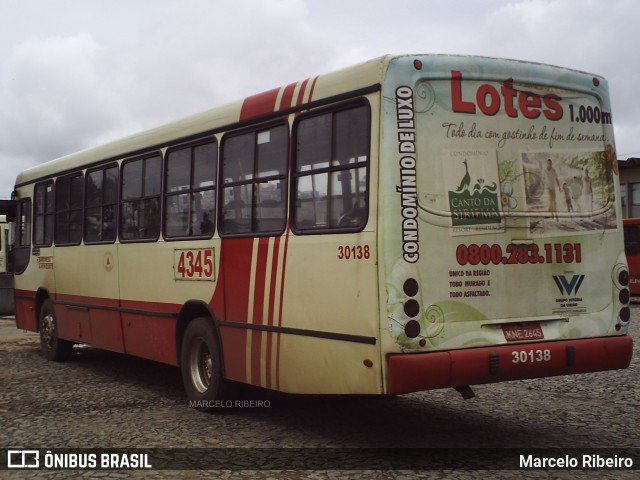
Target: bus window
[22,236]
[140,218]
[24,223]
[254,169]
[190,198]
[69,193]
[43,216]
[101,205]
[331,187]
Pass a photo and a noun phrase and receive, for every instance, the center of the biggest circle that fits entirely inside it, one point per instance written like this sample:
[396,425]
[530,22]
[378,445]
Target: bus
[410,223]
[6,279]
[632,250]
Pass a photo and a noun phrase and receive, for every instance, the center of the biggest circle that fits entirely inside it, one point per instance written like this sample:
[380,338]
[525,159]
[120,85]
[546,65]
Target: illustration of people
[550,180]
[576,192]
[587,191]
[567,196]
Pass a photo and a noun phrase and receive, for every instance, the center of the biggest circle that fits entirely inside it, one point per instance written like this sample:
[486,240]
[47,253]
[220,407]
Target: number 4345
[194,264]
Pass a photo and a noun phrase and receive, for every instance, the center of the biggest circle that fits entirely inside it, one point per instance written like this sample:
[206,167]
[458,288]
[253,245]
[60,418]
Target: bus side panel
[323,366]
[106,329]
[73,323]
[147,285]
[234,342]
[151,337]
[86,298]
[152,272]
[328,290]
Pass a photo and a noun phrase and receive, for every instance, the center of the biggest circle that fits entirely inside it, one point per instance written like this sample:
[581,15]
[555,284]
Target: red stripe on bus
[313,87]
[303,87]
[260,104]
[25,293]
[274,279]
[281,300]
[258,308]
[217,304]
[272,304]
[287,233]
[233,288]
[236,256]
[268,360]
[260,280]
[138,328]
[287,96]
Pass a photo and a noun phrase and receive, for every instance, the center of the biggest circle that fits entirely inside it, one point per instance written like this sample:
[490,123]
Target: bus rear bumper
[457,368]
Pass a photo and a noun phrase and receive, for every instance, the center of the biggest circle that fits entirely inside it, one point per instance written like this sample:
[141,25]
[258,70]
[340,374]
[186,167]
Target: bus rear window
[331,171]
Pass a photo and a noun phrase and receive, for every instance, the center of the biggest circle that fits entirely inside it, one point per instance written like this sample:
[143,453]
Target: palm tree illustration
[466,179]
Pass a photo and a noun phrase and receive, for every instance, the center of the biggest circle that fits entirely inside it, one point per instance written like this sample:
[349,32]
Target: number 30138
[531,356]
[354,252]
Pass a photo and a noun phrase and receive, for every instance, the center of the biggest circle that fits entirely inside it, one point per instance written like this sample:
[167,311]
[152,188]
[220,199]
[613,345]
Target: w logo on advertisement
[568,285]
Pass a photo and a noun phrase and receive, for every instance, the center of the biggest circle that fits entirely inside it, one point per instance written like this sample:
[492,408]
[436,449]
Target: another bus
[632,250]
[6,279]
[409,223]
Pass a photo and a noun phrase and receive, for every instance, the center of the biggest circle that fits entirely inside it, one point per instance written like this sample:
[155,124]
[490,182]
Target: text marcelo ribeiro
[568,461]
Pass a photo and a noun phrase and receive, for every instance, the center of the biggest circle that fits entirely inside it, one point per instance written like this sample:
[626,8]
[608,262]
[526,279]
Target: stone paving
[104,400]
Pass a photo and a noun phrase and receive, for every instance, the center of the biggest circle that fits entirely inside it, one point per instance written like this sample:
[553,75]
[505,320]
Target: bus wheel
[53,347]
[201,365]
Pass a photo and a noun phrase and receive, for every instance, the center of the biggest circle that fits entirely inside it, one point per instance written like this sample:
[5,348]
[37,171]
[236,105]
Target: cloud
[54,97]
[61,94]
[191,56]
[53,100]
[134,65]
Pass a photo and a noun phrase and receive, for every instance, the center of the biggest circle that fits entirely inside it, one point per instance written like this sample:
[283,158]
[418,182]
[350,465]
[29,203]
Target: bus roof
[199,124]
[326,86]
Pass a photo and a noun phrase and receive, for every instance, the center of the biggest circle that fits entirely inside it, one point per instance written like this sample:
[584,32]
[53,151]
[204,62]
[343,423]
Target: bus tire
[201,365]
[52,346]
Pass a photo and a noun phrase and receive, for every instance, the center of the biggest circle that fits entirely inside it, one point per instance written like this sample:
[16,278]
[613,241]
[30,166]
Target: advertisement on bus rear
[501,180]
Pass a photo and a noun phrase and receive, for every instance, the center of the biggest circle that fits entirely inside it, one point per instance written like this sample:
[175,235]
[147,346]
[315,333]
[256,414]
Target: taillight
[621,281]
[411,307]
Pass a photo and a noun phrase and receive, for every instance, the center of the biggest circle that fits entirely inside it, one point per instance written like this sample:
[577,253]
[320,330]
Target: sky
[78,73]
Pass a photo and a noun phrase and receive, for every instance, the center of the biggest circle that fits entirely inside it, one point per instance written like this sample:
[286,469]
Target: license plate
[517,332]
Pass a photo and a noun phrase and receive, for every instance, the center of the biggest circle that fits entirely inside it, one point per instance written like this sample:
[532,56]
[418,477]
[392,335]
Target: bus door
[87,276]
[252,220]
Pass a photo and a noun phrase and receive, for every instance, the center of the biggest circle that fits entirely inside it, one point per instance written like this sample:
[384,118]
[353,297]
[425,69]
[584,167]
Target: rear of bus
[502,234]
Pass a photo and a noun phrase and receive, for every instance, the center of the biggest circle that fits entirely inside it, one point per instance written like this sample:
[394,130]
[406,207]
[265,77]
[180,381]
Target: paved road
[105,400]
